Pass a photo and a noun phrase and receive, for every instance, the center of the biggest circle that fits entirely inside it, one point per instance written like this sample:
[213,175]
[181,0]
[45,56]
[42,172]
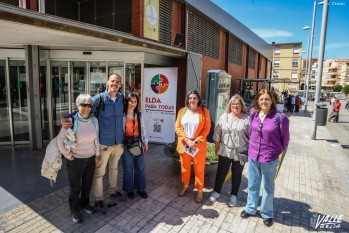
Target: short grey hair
[242,102]
[84,98]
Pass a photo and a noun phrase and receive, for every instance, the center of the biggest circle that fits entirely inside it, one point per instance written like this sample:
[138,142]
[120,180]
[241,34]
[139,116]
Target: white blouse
[190,122]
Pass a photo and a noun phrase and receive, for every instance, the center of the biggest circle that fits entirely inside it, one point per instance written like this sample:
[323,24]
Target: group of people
[291,103]
[99,129]
[261,135]
[97,135]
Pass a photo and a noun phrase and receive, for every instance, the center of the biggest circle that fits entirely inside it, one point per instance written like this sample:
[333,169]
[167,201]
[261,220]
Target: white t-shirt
[190,122]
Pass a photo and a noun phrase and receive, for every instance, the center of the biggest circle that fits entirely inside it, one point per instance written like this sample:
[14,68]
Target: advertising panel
[159,103]
[151,19]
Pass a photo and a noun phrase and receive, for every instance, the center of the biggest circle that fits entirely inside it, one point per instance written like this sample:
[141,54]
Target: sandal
[199,197]
[183,191]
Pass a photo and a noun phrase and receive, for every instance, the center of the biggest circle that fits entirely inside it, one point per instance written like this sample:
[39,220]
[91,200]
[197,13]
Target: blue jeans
[258,172]
[134,172]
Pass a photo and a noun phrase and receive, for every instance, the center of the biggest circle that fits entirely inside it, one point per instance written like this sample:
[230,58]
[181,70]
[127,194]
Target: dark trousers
[222,171]
[80,177]
[296,108]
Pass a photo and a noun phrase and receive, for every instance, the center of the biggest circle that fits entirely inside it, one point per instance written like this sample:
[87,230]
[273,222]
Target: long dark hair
[197,95]
[129,96]
[262,92]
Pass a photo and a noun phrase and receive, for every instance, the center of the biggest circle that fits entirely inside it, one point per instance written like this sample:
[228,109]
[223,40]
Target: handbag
[133,143]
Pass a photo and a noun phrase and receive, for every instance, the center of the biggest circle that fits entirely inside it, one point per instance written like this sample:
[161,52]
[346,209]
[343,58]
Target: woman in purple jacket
[269,138]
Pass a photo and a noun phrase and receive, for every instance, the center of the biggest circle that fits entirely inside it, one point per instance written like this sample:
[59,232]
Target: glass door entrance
[5,125]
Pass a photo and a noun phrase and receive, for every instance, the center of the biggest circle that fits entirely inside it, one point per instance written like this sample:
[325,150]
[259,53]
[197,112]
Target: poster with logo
[151,19]
[159,103]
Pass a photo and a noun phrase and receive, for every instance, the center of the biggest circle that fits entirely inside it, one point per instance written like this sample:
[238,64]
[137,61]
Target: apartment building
[287,66]
[52,50]
[335,71]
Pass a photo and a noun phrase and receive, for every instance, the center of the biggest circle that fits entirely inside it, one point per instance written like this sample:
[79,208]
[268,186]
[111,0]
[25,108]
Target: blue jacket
[110,121]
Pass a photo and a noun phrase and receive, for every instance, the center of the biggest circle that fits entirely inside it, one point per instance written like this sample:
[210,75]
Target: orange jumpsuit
[199,160]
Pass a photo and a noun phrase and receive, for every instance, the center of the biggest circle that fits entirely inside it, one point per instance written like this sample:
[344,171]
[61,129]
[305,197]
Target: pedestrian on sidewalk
[81,159]
[297,103]
[269,138]
[231,136]
[109,109]
[192,127]
[133,166]
[335,111]
[347,105]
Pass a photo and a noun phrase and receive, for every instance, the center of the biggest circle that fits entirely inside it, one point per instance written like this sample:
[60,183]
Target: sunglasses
[86,105]
[260,126]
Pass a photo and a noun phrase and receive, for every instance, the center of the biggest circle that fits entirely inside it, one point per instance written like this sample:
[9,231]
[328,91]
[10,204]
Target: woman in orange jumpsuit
[192,127]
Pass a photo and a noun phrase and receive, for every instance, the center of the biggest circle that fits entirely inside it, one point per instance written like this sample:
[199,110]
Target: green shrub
[210,155]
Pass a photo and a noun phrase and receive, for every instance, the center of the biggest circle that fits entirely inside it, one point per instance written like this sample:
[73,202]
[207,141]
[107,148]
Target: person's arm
[285,130]
[61,147]
[206,128]
[144,134]
[97,151]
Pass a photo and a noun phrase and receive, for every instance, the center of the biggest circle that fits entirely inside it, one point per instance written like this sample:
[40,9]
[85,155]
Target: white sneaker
[213,197]
[232,201]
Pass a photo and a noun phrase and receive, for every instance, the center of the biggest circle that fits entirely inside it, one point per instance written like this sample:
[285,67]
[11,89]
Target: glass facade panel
[60,100]
[20,109]
[5,131]
[98,77]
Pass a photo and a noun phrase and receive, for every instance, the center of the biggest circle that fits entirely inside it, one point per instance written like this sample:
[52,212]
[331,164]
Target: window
[277,51]
[296,50]
[294,63]
[277,63]
[294,75]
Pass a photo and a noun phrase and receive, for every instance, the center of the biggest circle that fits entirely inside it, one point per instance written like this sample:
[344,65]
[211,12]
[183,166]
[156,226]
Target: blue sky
[282,21]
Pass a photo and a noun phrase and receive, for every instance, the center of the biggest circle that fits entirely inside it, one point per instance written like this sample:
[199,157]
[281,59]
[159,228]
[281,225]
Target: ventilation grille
[165,22]
[252,59]
[203,37]
[235,50]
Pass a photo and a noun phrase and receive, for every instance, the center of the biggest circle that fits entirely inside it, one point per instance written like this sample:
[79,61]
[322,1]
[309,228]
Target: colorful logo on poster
[159,84]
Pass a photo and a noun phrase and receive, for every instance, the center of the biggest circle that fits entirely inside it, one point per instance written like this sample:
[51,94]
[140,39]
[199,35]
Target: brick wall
[137,18]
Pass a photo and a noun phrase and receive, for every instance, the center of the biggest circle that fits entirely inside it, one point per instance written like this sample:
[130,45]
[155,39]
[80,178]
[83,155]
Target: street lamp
[321,61]
[310,52]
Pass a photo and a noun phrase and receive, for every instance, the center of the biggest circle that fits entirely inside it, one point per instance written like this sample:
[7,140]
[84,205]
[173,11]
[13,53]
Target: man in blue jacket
[111,136]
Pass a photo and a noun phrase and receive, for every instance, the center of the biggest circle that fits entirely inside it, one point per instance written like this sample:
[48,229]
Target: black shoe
[268,222]
[89,209]
[130,195]
[77,217]
[244,214]
[116,194]
[143,194]
[101,209]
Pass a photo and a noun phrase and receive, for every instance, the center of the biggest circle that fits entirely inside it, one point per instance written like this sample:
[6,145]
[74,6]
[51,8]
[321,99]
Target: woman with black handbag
[136,143]
[231,136]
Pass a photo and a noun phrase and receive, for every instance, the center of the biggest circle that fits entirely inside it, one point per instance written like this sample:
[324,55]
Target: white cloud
[271,33]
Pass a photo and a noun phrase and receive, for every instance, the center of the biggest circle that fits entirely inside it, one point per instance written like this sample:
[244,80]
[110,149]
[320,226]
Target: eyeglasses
[86,105]
[260,126]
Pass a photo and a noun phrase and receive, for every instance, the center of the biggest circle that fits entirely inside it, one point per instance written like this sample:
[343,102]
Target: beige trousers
[113,155]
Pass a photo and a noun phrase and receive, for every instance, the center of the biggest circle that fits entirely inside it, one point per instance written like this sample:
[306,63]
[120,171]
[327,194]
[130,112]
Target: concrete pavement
[312,184]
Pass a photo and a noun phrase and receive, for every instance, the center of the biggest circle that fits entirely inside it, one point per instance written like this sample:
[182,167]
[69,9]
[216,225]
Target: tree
[346,89]
[337,88]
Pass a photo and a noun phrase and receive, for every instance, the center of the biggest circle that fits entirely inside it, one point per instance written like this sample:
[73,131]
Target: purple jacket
[267,145]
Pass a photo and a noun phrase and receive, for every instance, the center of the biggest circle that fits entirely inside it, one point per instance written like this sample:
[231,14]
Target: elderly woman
[133,165]
[231,136]
[81,159]
[269,138]
[192,127]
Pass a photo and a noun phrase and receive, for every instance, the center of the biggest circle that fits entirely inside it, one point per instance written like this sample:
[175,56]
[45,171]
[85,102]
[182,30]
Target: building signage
[151,19]
[159,103]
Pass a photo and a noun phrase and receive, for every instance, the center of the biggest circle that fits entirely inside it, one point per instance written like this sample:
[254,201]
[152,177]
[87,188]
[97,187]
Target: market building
[53,50]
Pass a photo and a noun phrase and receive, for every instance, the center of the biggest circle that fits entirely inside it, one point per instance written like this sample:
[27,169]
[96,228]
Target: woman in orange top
[192,127]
